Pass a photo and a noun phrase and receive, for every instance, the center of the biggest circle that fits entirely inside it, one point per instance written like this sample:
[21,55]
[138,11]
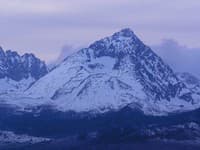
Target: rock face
[114,72]
[17,67]
[17,71]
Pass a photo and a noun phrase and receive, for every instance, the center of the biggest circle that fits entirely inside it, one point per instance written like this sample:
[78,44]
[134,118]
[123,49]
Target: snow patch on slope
[11,137]
[9,85]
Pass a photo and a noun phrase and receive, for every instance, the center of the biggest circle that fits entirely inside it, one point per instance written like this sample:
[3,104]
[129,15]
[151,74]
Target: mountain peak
[17,67]
[29,54]
[126,32]
[121,43]
[11,53]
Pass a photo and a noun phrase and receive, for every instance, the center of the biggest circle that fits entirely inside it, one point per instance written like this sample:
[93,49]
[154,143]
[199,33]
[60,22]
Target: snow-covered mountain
[118,78]
[112,73]
[18,72]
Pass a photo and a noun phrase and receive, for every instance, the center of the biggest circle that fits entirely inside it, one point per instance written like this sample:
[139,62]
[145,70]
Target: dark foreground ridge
[66,144]
[125,129]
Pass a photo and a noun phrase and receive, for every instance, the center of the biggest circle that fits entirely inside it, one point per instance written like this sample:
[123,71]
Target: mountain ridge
[17,72]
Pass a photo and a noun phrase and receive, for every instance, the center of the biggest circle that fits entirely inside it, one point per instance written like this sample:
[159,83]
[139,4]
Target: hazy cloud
[181,58]
[66,51]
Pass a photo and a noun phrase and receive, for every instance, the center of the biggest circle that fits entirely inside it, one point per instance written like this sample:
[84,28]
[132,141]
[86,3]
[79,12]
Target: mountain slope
[114,72]
[18,72]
